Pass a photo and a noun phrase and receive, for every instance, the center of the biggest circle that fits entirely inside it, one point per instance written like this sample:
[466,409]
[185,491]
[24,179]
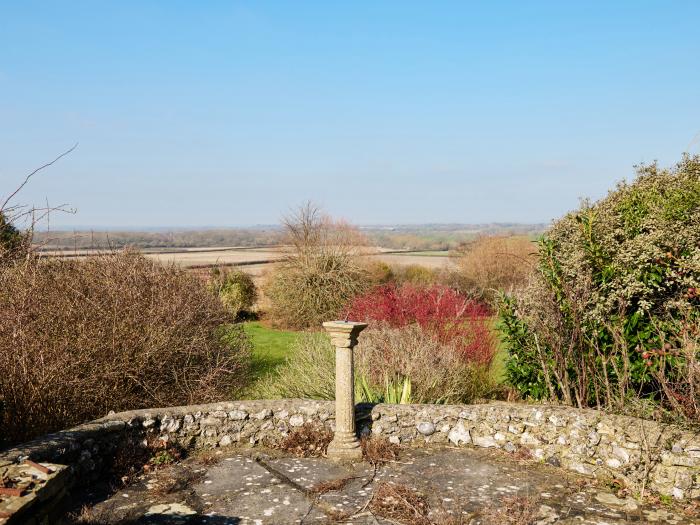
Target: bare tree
[320,272]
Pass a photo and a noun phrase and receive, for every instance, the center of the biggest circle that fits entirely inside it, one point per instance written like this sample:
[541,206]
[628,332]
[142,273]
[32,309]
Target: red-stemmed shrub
[443,312]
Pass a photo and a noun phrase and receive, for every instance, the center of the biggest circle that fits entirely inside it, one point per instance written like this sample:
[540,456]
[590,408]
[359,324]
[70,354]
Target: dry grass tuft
[306,441]
[88,516]
[401,504]
[377,451]
[337,515]
[439,372]
[169,480]
[208,457]
[512,510]
[330,485]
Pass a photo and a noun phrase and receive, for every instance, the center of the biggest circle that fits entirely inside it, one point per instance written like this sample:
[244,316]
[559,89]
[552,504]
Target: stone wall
[586,441]
[662,457]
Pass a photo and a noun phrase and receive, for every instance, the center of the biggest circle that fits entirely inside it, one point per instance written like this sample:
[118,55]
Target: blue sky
[231,113]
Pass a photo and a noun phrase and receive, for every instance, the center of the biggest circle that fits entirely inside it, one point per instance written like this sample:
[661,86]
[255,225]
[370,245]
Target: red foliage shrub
[448,315]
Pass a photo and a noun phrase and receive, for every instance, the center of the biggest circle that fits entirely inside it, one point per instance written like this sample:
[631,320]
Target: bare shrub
[488,265]
[448,316]
[235,288]
[321,272]
[437,371]
[675,365]
[378,272]
[116,332]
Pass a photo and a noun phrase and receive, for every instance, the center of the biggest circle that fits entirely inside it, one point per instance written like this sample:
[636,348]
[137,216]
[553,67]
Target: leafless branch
[37,170]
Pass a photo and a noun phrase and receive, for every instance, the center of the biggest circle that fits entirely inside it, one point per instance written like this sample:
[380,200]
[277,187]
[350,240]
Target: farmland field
[255,260]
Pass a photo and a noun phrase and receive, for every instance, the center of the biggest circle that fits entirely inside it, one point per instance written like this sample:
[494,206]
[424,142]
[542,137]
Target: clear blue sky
[230,113]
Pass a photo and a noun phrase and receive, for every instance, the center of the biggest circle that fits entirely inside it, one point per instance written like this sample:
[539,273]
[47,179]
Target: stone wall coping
[47,445]
[114,422]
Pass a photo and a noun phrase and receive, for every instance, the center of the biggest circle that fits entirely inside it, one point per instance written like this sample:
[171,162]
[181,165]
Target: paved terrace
[435,485]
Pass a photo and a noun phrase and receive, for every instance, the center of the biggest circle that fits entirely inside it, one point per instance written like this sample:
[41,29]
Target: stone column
[345,444]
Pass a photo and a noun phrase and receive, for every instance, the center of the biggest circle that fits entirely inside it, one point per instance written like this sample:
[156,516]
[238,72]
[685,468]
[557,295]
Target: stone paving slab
[257,487]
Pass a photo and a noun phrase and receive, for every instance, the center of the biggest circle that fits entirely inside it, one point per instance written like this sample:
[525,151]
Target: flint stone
[557,421]
[238,415]
[621,454]
[554,461]
[581,468]
[613,463]
[484,441]
[528,439]
[426,428]
[516,428]
[459,434]
[308,410]
[264,414]
[169,424]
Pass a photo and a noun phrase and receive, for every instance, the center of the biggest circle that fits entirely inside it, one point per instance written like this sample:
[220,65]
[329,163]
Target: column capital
[344,333]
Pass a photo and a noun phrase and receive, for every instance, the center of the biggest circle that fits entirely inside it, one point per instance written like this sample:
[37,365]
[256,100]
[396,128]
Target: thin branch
[26,179]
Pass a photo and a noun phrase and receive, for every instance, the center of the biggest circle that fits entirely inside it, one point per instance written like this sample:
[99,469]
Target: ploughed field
[255,260]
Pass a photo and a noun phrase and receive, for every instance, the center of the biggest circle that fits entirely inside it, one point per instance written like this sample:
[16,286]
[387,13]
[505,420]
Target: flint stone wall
[585,441]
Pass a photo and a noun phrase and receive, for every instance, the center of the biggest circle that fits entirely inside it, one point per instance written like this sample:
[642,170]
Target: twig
[37,170]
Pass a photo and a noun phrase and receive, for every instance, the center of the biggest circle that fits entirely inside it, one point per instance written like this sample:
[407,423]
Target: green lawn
[498,365]
[270,347]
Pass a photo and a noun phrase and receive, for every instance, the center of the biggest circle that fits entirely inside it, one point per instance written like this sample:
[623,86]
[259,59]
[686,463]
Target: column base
[345,445]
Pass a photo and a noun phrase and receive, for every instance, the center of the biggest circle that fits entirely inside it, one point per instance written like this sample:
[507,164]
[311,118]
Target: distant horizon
[143,228]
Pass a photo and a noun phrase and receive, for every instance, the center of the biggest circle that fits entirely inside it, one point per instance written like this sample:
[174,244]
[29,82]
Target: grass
[498,365]
[270,347]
